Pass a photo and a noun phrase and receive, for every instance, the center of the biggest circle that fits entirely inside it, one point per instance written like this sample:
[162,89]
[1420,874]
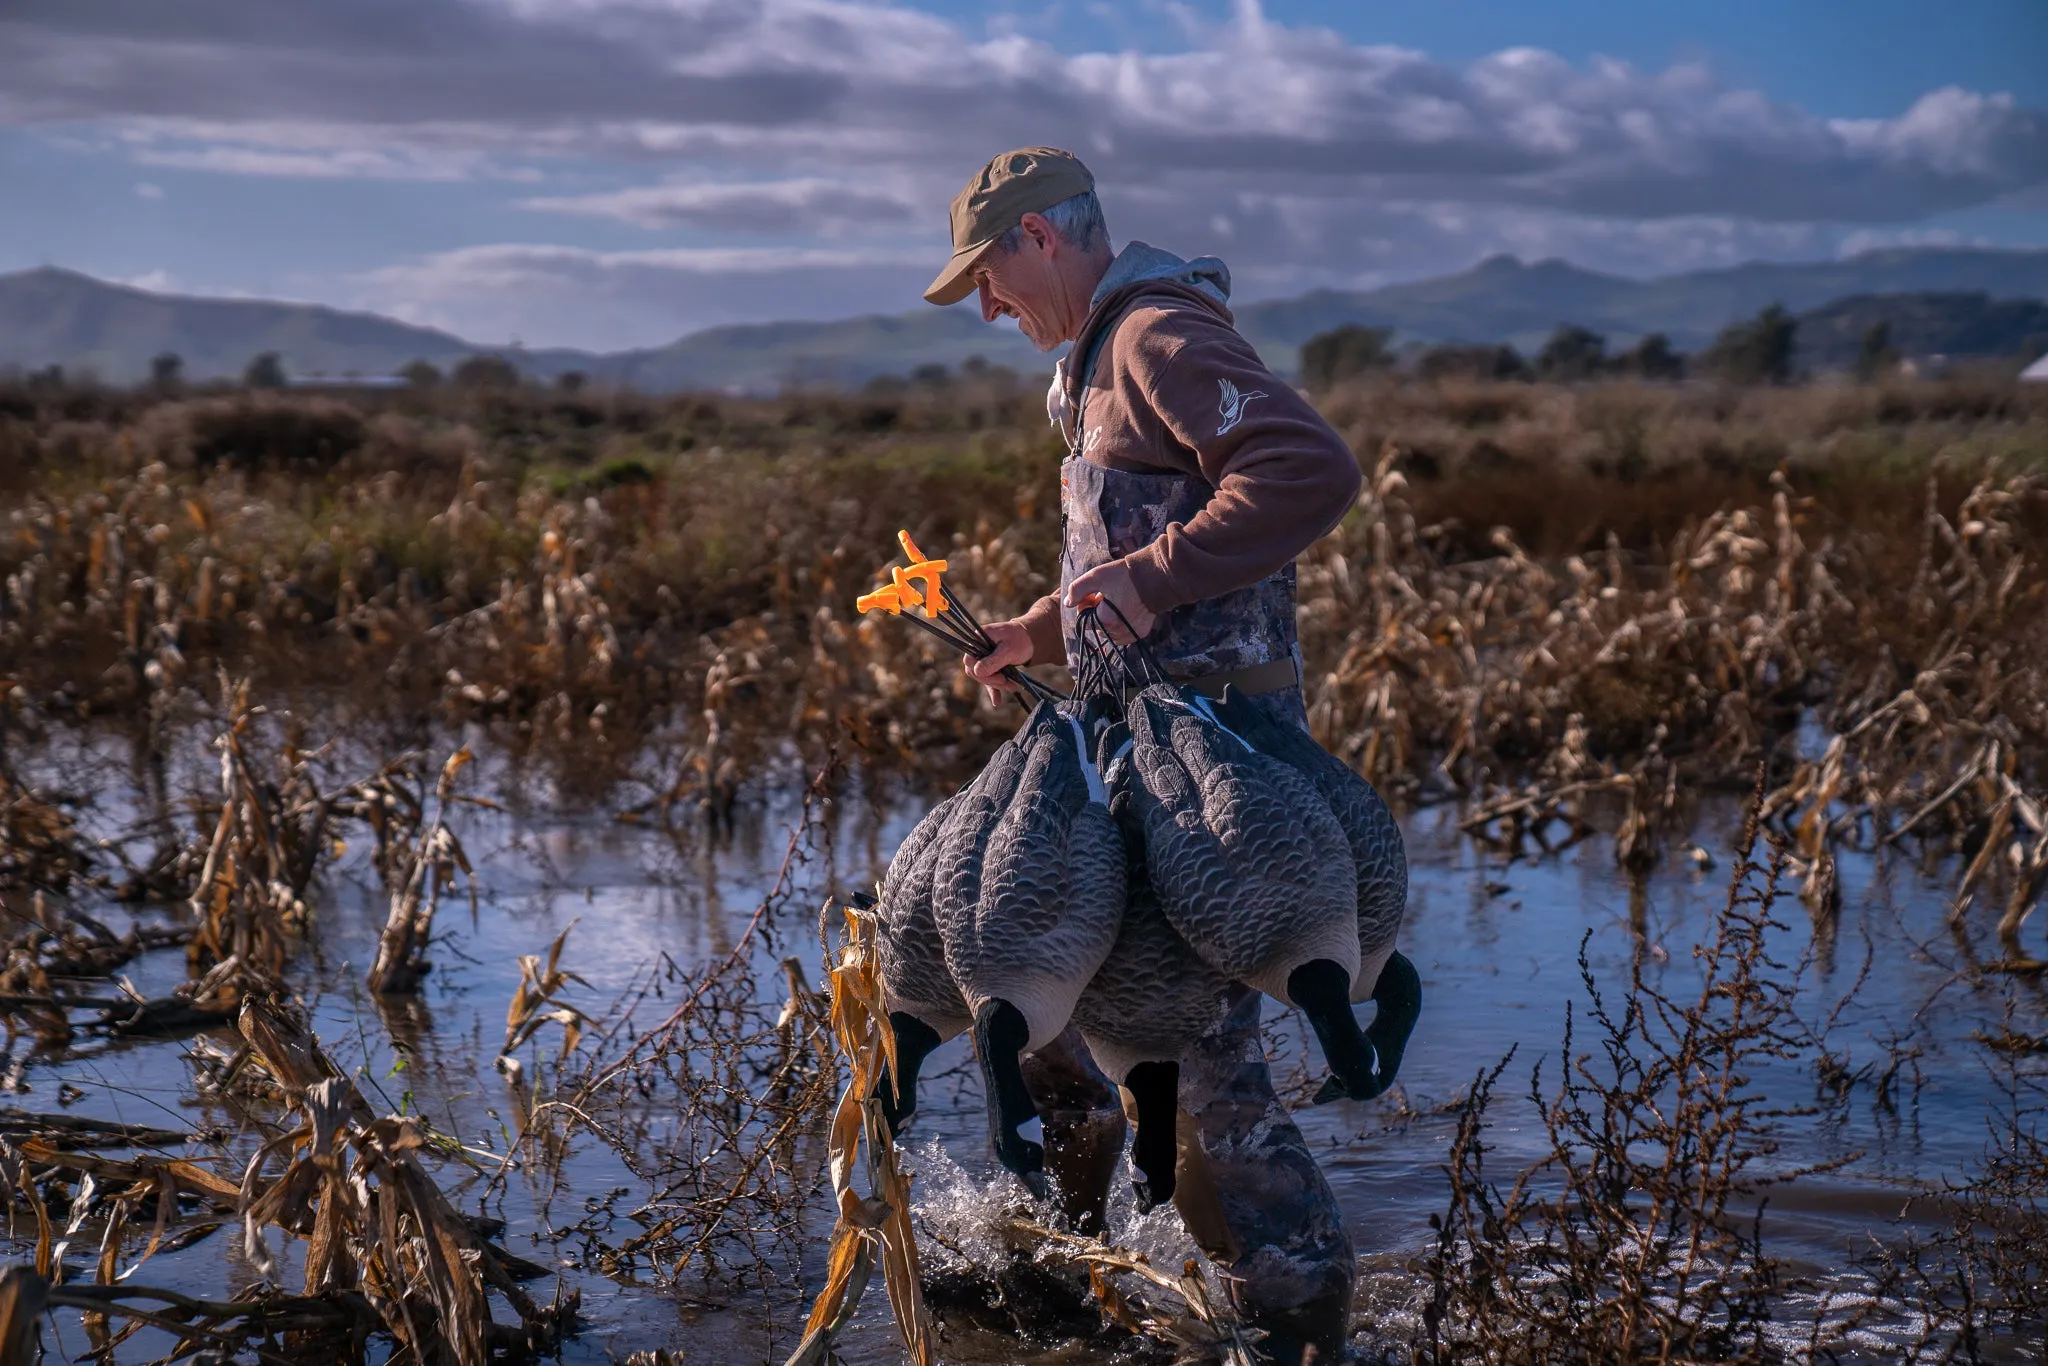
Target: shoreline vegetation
[1572,611]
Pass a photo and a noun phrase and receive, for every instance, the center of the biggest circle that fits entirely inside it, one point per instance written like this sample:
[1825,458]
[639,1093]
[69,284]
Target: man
[1193,479]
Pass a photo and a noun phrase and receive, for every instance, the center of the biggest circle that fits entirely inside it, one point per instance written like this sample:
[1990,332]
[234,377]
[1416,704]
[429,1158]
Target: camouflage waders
[1107,513]
[1248,1190]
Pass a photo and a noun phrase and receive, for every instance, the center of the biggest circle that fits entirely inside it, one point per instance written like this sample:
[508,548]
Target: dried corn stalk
[249,897]
[539,987]
[375,1223]
[402,947]
[869,1226]
[40,846]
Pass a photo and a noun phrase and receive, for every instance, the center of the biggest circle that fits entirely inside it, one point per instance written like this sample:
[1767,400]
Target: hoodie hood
[1140,269]
[1143,263]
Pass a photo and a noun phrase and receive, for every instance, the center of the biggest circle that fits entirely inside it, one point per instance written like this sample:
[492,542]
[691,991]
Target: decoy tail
[1323,991]
[1000,1033]
[1155,1087]
[915,1041]
[1398,994]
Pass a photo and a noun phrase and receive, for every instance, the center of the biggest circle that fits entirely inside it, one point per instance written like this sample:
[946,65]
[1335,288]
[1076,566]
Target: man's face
[1025,285]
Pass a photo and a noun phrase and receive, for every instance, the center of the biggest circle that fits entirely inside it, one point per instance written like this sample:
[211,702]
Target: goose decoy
[1385,975]
[1250,865]
[1028,893]
[1151,999]
[925,1006]
[1148,1003]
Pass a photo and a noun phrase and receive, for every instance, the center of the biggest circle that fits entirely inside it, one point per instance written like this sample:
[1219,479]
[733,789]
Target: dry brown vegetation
[1638,1235]
[1582,603]
[1572,610]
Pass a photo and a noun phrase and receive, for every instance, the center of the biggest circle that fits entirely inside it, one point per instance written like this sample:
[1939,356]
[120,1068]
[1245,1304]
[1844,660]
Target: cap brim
[956,281]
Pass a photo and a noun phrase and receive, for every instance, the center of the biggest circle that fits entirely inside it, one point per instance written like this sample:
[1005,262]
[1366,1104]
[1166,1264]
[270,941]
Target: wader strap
[1259,678]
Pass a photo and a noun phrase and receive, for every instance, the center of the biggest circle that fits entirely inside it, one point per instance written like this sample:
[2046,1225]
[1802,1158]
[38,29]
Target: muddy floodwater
[1888,990]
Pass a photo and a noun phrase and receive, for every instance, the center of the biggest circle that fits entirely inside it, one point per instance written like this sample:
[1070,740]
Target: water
[1497,945]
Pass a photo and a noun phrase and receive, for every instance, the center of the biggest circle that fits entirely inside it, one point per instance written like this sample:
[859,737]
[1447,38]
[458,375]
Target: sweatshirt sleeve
[1282,475]
[1041,622]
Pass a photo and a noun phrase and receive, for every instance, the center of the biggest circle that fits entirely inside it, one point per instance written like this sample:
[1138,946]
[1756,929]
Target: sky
[614,173]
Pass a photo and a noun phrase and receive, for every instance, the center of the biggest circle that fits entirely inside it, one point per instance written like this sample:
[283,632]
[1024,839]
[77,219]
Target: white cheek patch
[1032,1130]
[1097,793]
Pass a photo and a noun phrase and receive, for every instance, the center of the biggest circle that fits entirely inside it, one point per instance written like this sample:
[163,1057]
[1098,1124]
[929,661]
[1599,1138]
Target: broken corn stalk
[877,1225]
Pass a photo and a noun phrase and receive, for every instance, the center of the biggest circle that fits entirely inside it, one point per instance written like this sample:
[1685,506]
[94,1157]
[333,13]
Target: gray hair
[1077,220]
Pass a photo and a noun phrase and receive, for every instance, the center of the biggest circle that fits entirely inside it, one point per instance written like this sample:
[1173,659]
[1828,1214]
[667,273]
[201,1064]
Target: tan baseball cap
[1028,180]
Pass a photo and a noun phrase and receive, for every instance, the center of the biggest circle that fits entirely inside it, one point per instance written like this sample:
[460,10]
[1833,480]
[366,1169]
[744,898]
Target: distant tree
[167,372]
[1651,358]
[1342,353]
[265,372]
[571,381]
[1473,362]
[1758,351]
[1877,357]
[932,375]
[486,372]
[421,374]
[1572,353]
[979,370]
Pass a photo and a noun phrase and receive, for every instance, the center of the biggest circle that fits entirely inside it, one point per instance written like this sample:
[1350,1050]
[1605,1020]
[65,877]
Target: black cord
[1150,670]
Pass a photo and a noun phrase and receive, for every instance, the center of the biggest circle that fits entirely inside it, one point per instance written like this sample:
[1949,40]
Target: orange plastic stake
[927,572]
[883,599]
[905,589]
[909,546]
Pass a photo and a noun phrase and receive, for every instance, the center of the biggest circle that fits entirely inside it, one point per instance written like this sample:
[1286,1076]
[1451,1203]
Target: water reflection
[1906,1091]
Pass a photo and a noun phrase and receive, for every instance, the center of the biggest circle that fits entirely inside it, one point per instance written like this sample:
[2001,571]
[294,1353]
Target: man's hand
[1013,646]
[1113,582]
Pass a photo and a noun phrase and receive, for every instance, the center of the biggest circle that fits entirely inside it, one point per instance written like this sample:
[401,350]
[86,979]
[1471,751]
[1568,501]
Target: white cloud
[840,129]
[155,281]
[145,190]
[735,89]
[810,204]
[302,151]
[558,295]
[570,296]
[1879,239]
[361,164]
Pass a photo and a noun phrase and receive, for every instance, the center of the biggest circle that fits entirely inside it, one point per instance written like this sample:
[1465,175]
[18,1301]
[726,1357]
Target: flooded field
[416,817]
[1901,1075]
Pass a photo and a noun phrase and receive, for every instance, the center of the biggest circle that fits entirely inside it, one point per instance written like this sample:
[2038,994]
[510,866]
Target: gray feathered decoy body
[1028,892]
[924,1003]
[1249,863]
[1384,976]
[1154,996]
[1369,828]
[909,952]
[1032,923]
[1147,1005]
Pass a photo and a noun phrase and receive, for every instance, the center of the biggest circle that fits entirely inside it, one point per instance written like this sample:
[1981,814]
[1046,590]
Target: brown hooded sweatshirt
[1175,387]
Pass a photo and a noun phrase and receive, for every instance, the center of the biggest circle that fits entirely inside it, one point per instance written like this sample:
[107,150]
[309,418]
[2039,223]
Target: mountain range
[51,316]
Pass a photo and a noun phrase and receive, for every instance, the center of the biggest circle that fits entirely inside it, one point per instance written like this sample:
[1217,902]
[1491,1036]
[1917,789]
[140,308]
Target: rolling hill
[1504,300]
[1919,325]
[51,316]
[59,317]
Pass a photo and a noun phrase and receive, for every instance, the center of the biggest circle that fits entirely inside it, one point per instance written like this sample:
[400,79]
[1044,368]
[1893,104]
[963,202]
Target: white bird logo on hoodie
[1233,403]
